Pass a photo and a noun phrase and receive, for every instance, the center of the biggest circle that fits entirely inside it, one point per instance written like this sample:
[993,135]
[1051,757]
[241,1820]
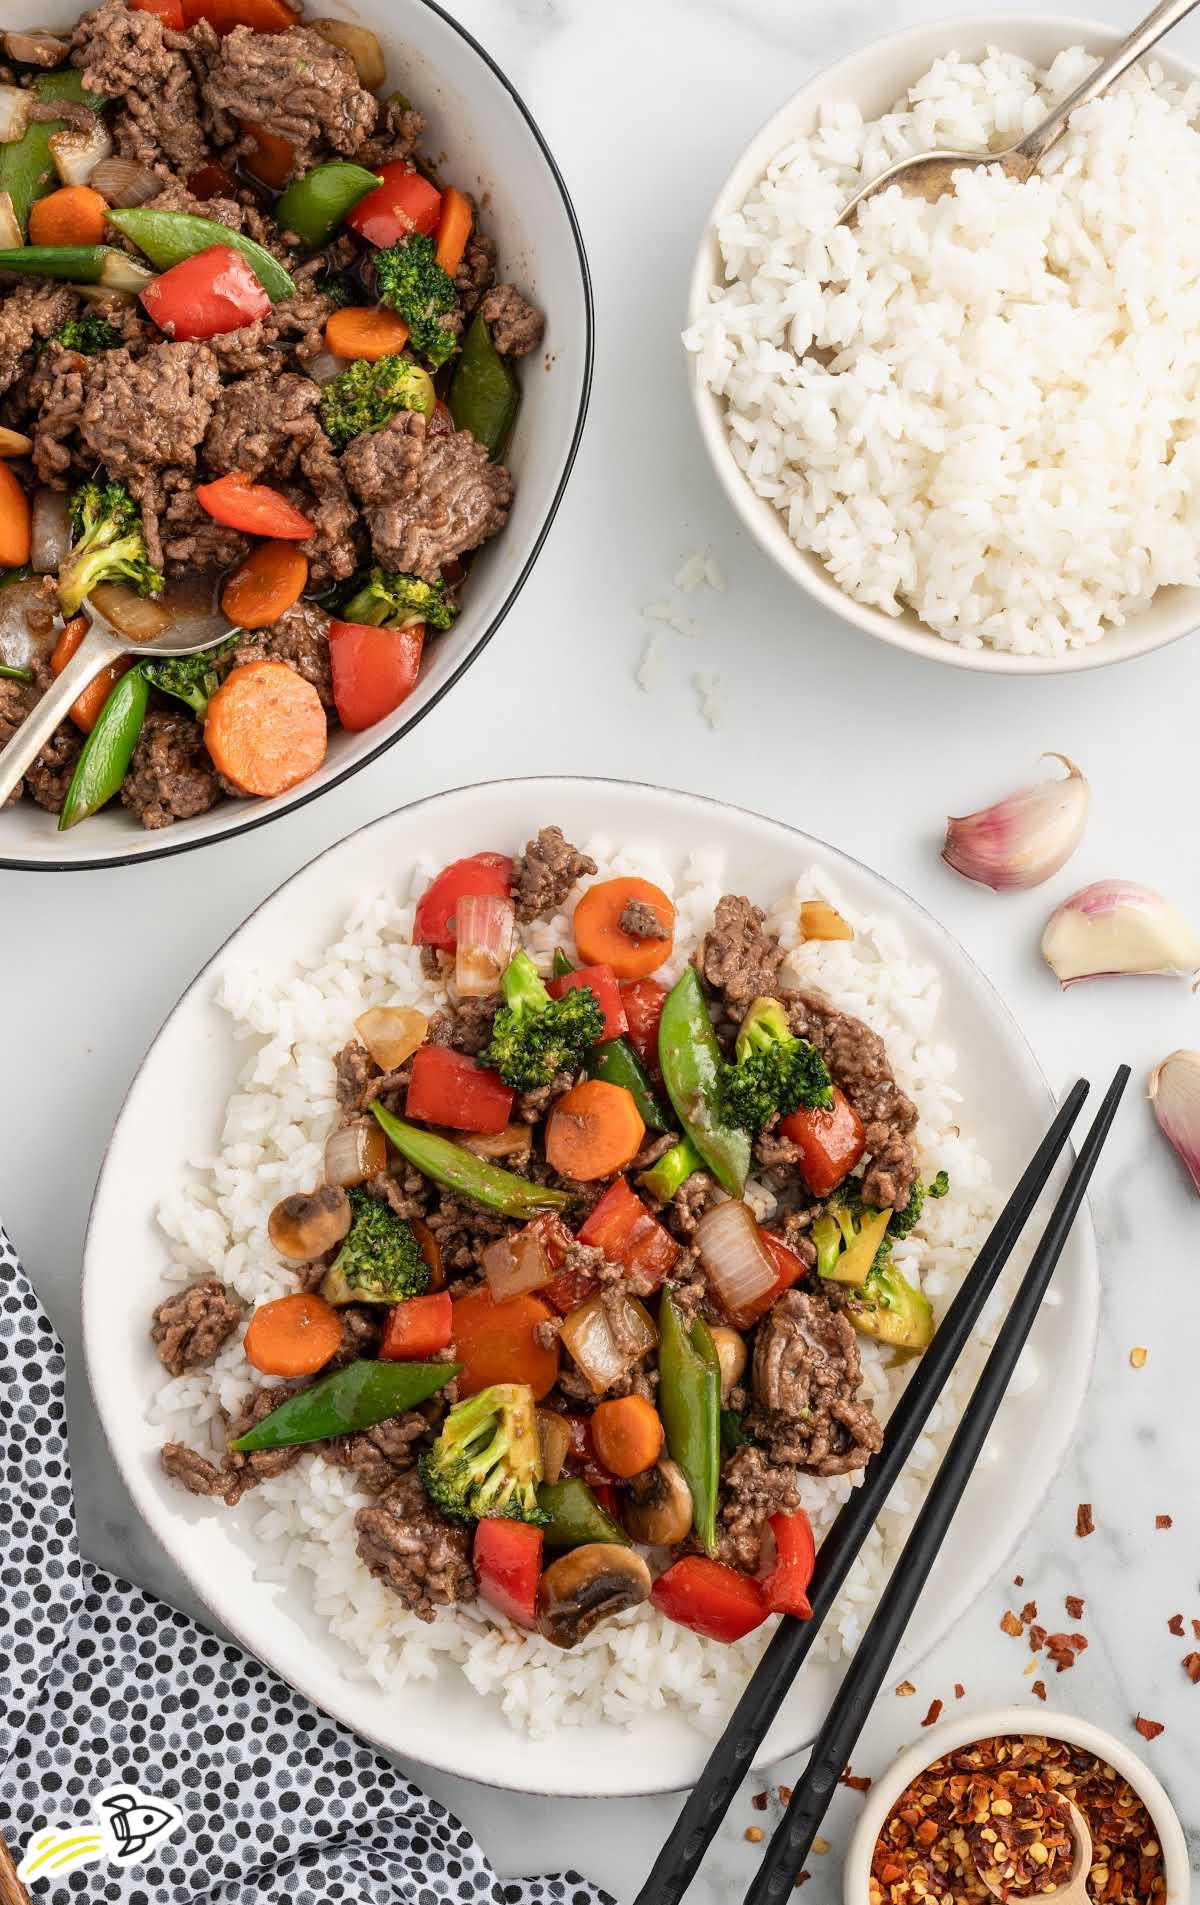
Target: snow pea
[75,264]
[167,238]
[574,1516]
[484,392]
[15,674]
[617,1063]
[460,1171]
[689,1402]
[356,1397]
[314,206]
[672,1171]
[108,750]
[691,1067]
[27,169]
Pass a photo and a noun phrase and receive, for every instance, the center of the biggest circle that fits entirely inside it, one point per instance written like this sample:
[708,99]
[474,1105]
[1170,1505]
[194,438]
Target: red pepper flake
[857,1782]
[1191,1667]
[1039,1687]
[1063,1648]
[1163,1521]
[1084,1523]
[785,1795]
[1149,1729]
[1074,1606]
[1037,1638]
[1175,1625]
[1018,1580]
[1010,1624]
[934,1714]
[1029,1612]
[959,1690]
[904,1689]
[1196,1629]
[759,1802]
[800,1879]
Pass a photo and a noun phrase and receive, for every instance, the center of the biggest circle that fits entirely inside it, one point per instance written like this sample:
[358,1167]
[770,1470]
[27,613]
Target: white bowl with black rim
[489,144]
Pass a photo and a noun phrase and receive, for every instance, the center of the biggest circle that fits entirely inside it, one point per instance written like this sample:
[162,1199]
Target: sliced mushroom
[659,1509]
[36,47]
[584,1587]
[731,1354]
[307,1224]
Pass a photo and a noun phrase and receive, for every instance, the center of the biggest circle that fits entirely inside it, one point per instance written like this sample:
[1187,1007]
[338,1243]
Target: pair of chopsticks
[731,1759]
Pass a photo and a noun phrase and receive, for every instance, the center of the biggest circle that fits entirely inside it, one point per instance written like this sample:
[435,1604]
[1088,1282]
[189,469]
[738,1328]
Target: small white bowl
[1016,1720]
[873,79]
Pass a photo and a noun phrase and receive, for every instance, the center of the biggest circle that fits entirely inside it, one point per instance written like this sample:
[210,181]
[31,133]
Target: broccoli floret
[380,1261]
[487,1459]
[339,289]
[835,1232]
[411,280]
[774,1071]
[109,545]
[907,1219]
[88,334]
[387,600]
[366,395]
[192,679]
[534,1037]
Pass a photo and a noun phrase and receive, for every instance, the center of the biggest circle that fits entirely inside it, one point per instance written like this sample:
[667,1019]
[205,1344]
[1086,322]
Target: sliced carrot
[593,1131]
[367,331]
[294,1335]
[74,215]
[601,940]
[265,729]
[271,158]
[454,229]
[85,709]
[16,518]
[270,580]
[497,1342]
[627,1435]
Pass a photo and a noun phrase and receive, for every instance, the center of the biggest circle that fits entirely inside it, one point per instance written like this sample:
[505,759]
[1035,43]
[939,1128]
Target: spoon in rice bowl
[929,175]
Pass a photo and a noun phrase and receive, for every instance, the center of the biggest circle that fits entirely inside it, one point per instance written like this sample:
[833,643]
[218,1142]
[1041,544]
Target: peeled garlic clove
[1175,1098]
[1021,841]
[1116,927]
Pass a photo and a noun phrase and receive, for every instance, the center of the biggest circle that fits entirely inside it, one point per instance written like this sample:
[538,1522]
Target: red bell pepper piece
[485,874]
[404,203]
[170,12]
[253,508]
[448,1088]
[418,1328]
[643,1000]
[271,159]
[831,1142]
[785,1585]
[710,1598]
[601,981]
[790,1269]
[622,1227]
[508,1567]
[569,1289]
[212,180]
[203,296]
[609,1499]
[265,16]
[581,1458]
[373,669]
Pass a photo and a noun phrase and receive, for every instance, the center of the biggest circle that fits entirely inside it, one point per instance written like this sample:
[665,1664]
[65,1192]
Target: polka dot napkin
[104,1688]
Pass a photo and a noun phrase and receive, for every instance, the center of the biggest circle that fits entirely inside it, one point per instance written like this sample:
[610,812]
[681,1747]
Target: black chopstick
[792,1841]
[710,1799]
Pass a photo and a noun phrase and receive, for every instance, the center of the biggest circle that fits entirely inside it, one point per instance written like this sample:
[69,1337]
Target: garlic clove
[1175,1099]
[1115,927]
[1021,841]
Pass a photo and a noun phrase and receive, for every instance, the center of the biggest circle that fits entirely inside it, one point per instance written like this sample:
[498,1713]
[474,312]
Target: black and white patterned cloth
[101,1685]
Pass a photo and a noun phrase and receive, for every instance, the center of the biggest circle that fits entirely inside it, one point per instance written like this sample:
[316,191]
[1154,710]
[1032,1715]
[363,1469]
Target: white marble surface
[645,103]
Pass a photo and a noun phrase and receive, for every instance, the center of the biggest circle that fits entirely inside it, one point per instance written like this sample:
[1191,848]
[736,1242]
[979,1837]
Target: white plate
[173,1112]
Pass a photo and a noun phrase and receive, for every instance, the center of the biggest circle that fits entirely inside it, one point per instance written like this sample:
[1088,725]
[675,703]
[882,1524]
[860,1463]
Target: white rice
[984,409]
[271,1144]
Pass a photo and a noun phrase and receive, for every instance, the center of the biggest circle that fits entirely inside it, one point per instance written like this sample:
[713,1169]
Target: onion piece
[484,925]
[554,1435]
[36,47]
[50,531]
[28,624]
[77,154]
[363,47]
[589,1337]
[324,367]
[16,104]
[819,920]
[11,234]
[354,1153]
[124,183]
[737,1261]
[138,617]
[13,443]
[391,1033]
[120,272]
[513,1265]
[515,1141]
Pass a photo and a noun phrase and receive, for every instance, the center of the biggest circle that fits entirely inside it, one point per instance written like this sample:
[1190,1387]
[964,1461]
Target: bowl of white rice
[970,428]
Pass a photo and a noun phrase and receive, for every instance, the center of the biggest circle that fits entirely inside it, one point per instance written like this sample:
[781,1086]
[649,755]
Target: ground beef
[299,638]
[170,776]
[642,922]
[378,1457]
[184,535]
[532,1106]
[775,1153]
[352,1067]
[397,135]
[466,1026]
[175,197]
[125,55]
[517,326]
[406,1196]
[246,1470]
[17,699]
[427,499]
[362,1329]
[189,1328]
[696,1194]
[805,1373]
[261,424]
[337,546]
[545,873]
[48,777]
[463,1231]
[144,415]
[56,395]
[858,1061]
[295,85]
[752,1490]
[29,313]
[738,957]
[197,1474]
[476,272]
[406,1545]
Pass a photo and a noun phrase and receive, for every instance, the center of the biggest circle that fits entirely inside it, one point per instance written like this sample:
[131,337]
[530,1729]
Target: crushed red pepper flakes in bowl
[1084,1521]
[1149,1729]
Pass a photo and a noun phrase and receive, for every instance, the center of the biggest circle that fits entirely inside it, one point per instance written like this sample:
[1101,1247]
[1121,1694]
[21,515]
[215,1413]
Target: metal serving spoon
[103,643]
[929,174]
[1073,1890]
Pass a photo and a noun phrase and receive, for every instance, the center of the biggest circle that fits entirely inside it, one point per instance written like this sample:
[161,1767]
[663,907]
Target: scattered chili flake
[1037,1638]
[1149,1729]
[1029,1612]
[1010,1624]
[800,1879]
[754,1834]
[1196,1629]
[934,1714]
[857,1782]
[1074,1606]
[820,1846]
[904,1689]
[1163,1521]
[785,1795]
[1191,1667]
[1175,1625]
[1138,1357]
[1039,1687]
[959,1690]
[759,1802]
[1084,1523]
[1018,1580]
[1063,1649]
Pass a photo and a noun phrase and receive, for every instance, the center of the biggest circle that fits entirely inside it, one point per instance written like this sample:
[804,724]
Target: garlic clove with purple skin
[1175,1100]
[1021,841]
[1114,927]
